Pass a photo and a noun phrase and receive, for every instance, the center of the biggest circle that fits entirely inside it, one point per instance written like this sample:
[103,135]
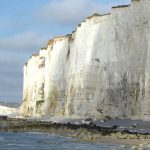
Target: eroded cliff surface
[101,69]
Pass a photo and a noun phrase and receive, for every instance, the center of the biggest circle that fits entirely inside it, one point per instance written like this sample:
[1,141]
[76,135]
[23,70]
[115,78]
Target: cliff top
[120,6]
[59,38]
[35,55]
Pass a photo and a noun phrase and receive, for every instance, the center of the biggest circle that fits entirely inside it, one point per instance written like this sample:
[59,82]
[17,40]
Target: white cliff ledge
[102,69]
[9,111]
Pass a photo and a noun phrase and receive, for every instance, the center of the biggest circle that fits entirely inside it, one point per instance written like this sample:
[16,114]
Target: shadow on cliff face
[53,97]
[124,98]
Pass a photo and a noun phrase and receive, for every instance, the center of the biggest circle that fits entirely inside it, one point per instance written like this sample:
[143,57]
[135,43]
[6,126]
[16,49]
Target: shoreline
[84,132]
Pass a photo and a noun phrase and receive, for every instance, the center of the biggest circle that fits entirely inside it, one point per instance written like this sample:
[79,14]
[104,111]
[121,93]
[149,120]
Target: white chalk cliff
[101,69]
[9,111]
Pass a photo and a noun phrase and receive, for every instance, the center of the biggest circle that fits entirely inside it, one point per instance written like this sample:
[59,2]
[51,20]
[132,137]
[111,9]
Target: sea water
[37,141]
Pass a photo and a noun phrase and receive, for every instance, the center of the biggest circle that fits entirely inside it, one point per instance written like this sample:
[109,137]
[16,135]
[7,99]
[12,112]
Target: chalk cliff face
[101,69]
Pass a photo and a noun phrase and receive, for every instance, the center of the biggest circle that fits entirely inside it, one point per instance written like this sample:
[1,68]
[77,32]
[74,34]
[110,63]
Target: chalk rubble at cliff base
[100,70]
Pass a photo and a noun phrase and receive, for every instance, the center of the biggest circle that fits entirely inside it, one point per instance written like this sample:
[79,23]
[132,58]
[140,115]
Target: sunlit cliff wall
[101,69]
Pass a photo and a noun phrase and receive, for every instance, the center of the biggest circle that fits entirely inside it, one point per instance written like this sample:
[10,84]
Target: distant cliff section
[100,70]
[9,109]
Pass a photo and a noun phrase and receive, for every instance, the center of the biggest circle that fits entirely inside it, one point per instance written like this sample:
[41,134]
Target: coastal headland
[92,84]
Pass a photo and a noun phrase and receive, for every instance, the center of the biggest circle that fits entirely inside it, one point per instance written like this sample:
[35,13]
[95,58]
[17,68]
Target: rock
[134,147]
[140,148]
[123,136]
[76,135]
[101,70]
[122,147]
[134,125]
[141,145]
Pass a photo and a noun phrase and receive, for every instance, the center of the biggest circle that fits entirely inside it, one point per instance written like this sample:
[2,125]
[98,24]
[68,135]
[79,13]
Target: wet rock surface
[118,128]
[97,131]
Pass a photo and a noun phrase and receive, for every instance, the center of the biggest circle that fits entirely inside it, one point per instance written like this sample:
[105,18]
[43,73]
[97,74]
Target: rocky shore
[87,131]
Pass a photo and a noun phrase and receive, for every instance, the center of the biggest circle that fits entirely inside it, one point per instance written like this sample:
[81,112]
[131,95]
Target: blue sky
[26,26]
